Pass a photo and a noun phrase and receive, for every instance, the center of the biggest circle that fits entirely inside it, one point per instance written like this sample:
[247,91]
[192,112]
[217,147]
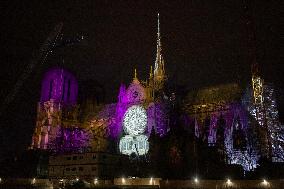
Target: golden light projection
[257,84]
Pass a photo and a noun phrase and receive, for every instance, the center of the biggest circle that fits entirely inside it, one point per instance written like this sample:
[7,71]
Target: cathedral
[242,123]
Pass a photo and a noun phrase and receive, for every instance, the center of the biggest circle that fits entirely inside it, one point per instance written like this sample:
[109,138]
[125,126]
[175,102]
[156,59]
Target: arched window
[221,123]
[63,88]
[206,129]
[239,141]
[68,90]
[50,89]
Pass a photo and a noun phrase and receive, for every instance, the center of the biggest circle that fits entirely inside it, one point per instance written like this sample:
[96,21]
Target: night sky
[204,43]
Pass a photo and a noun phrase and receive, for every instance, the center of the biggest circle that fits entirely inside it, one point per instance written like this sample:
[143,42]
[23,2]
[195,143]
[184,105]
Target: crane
[54,40]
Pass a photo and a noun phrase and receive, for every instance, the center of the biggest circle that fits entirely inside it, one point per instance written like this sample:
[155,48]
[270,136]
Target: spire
[159,72]
[135,79]
[135,74]
[151,72]
[159,49]
[158,34]
[257,81]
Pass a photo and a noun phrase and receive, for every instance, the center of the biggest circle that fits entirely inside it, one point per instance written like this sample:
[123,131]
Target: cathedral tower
[59,89]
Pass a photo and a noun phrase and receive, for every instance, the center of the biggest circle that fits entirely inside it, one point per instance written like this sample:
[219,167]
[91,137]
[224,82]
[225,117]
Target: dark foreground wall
[218,184]
[164,184]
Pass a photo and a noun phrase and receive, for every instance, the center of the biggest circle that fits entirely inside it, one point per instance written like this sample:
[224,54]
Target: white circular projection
[135,120]
[134,144]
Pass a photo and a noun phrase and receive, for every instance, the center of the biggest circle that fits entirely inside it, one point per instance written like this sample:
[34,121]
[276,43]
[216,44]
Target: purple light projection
[109,114]
[60,85]
[70,140]
[268,115]
[235,134]
[156,112]
[237,126]
[157,116]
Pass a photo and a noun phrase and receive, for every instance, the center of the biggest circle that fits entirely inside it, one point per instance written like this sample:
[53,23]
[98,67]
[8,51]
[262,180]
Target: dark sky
[204,43]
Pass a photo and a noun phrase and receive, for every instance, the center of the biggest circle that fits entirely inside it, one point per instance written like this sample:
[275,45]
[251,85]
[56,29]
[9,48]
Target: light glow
[196,180]
[265,183]
[95,181]
[33,181]
[229,182]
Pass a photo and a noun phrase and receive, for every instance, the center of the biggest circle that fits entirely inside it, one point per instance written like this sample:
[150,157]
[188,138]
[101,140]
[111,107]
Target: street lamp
[95,181]
[33,181]
[229,182]
[196,180]
[123,180]
[265,183]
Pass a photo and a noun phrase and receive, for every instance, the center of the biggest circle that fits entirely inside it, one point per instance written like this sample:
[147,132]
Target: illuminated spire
[257,81]
[135,79]
[135,73]
[159,49]
[151,72]
[159,72]
[158,34]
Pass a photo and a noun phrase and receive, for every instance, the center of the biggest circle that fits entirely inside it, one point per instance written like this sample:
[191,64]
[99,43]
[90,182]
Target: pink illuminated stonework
[59,91]
[59,85]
